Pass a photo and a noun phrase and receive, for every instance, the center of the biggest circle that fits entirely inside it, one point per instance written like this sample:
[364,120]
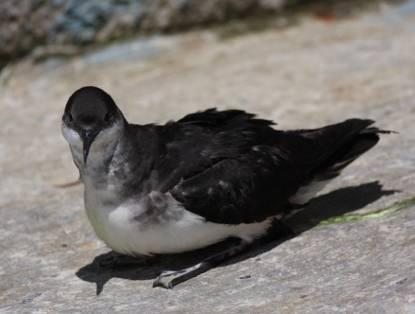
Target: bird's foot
[166,279]
[116,260]
[171,278]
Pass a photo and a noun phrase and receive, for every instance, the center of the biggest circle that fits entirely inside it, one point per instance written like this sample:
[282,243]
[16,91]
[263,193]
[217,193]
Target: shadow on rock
[337,203]
[333,204]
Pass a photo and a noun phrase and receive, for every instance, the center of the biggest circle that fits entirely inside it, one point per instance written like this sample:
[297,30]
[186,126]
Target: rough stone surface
[316,72]
[25,24]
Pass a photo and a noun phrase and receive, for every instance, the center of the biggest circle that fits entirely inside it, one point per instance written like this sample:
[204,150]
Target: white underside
[173,231]
[308,192]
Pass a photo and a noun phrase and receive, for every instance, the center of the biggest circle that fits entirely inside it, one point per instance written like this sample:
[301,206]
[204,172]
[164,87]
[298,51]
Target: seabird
[212,175]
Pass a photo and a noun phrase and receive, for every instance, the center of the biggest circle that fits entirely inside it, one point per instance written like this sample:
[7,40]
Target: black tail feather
[345,142]
[354,145]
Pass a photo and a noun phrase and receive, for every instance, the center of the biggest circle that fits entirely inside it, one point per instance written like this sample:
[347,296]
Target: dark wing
[238,169]
[199,140]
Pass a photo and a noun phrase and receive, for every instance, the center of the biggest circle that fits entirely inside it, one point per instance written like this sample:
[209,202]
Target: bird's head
[91,119]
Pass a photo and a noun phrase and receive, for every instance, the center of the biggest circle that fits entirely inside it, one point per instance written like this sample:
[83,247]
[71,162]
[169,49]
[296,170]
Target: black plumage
[230,167]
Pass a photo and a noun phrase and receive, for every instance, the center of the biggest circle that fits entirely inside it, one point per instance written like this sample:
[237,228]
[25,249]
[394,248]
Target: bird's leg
[169,279]
[114,260]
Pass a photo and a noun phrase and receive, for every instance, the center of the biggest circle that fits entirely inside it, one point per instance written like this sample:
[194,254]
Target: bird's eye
[70,118]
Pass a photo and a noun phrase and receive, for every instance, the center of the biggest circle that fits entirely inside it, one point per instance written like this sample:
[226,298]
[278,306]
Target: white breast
[128,229]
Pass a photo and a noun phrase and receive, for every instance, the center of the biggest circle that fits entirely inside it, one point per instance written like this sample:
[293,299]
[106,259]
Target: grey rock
[26,24]
[307,75]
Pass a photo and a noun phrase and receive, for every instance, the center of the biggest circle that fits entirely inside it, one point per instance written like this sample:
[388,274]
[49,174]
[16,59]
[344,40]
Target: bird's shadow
[332,204]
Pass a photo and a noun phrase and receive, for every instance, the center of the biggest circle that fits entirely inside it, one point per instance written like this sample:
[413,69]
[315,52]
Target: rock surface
[26,24]
[316,72]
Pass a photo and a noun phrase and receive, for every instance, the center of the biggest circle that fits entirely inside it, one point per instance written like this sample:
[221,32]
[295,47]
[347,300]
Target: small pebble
[245,277]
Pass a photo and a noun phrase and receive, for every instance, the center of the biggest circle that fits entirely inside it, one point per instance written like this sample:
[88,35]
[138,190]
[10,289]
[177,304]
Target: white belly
[128,229]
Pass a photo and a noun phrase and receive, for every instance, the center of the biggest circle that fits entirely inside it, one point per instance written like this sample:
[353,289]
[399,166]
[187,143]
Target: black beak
[88,137]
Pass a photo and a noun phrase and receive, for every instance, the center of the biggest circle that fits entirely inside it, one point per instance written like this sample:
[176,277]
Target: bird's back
[230,167]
